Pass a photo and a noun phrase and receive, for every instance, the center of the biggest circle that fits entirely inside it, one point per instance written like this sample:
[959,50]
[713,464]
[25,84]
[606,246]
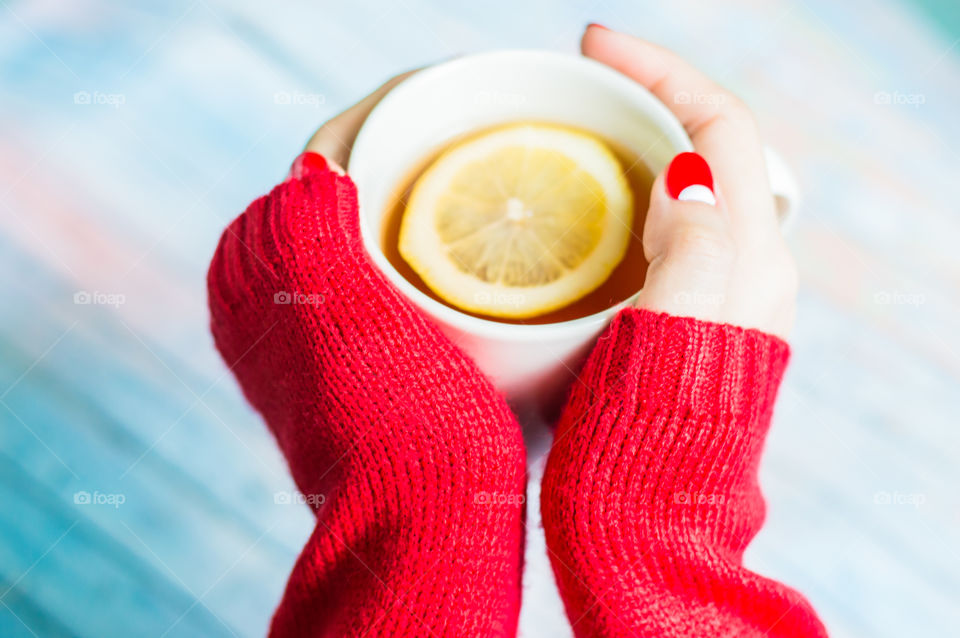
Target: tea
[625,280]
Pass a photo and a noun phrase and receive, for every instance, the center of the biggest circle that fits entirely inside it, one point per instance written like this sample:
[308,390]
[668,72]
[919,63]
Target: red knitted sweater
[414,465]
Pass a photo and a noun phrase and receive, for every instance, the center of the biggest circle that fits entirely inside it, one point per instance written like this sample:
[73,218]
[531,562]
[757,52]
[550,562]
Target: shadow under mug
[531,364]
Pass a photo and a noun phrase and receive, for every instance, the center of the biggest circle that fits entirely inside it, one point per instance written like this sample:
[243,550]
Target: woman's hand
[727,262]
[650,493]
[334,140]
[401,446]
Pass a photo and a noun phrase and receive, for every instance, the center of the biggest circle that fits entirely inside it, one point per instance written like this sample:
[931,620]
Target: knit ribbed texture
[414,464]
[650,493]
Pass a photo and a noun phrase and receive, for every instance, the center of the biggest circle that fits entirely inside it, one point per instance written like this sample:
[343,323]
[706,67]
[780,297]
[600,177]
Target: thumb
[334,140]
[688,242]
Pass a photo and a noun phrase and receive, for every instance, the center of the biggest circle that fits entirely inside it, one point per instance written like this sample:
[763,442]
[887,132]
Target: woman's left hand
[334,140]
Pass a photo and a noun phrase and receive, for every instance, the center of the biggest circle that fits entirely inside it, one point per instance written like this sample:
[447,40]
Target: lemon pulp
[519,220]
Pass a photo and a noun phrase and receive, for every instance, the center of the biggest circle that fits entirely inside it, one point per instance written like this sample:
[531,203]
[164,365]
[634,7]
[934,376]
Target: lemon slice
[519,220]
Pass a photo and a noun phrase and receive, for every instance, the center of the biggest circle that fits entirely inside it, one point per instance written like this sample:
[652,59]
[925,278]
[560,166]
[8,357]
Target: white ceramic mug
[531,364]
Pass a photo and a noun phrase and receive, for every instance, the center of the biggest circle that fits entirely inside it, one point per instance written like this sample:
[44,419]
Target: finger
[334,140]
[688,241]
[721,127]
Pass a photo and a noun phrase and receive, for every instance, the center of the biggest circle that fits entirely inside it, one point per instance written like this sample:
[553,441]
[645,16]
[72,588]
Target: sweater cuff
[683,368]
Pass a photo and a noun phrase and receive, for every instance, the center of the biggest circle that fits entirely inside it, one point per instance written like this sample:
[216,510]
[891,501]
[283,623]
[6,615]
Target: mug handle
[786,191]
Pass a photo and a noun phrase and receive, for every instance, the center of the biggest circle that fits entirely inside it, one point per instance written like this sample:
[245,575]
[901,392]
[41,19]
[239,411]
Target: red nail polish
[307,163]
[689,179]
[597,25]
[314,162]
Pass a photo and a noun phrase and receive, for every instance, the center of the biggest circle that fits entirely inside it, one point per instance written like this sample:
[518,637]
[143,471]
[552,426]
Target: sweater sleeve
[650,494]
[411,462]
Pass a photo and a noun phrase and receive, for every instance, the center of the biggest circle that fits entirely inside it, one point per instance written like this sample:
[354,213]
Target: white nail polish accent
[697,193]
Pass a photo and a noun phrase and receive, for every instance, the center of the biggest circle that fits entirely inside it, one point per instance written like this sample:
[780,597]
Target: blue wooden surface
[124,398]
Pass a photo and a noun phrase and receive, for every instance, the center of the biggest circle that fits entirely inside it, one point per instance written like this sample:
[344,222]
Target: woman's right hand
[727,262]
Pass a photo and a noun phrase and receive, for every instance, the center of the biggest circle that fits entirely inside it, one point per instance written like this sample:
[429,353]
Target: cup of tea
[530,356]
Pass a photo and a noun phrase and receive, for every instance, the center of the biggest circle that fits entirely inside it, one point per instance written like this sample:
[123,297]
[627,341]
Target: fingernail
[689,179]
[307,163]
[597,25]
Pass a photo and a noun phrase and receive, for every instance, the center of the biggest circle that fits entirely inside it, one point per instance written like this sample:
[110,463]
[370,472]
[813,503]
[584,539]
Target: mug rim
[667,123]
